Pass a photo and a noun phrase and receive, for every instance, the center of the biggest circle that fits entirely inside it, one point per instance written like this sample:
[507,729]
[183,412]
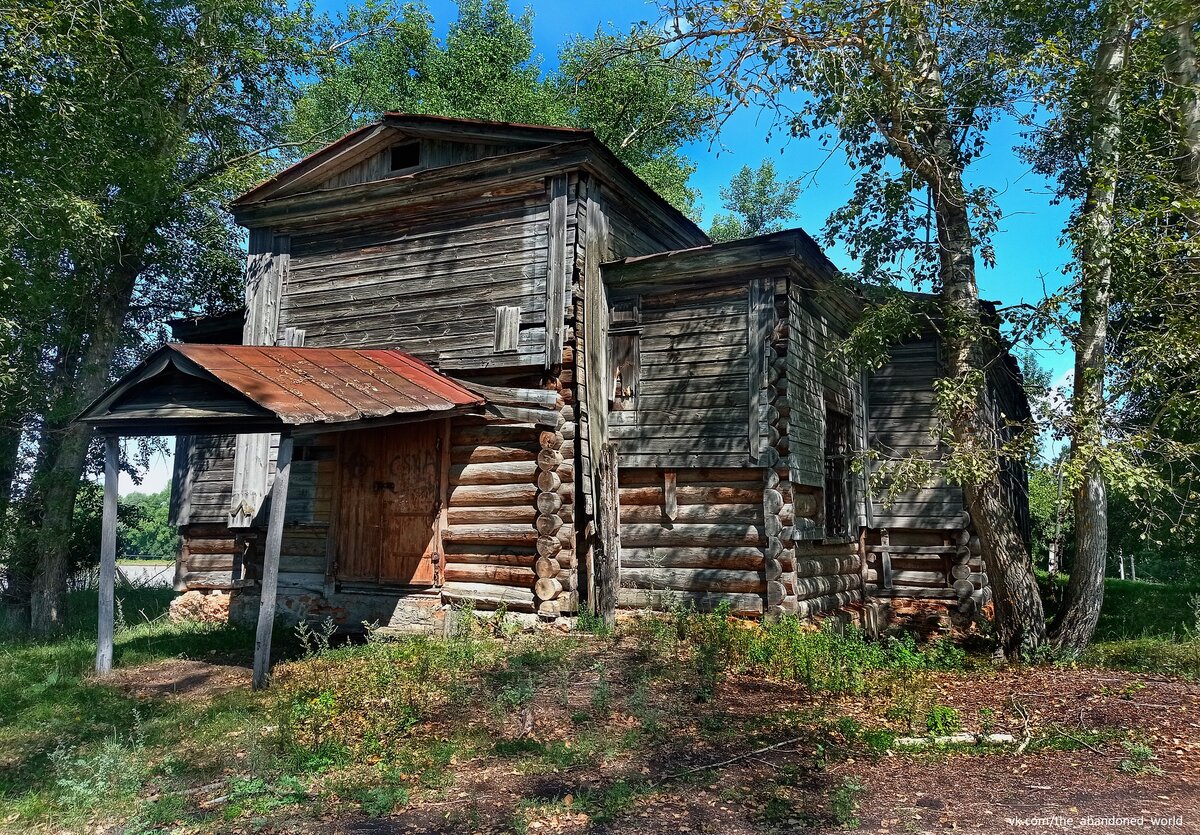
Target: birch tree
[909,90]
[1117,82]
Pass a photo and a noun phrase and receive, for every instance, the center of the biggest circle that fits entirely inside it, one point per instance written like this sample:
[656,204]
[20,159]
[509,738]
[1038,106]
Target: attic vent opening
[406,155]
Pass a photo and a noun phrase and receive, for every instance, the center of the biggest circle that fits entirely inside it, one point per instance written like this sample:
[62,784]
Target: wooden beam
[270,578]
[608,541]
[556,271]
[670,496]
[108,556]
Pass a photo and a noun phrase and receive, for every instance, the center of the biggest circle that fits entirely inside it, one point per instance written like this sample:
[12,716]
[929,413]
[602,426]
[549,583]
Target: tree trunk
[1181,65]
[1020,618]
[63,470]
[1076,622]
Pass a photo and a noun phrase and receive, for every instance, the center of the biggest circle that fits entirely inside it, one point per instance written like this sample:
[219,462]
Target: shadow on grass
[51,703]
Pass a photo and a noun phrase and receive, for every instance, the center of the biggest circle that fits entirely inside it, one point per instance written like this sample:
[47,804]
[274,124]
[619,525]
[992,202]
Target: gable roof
[245,388]
[528,147]
[393,126]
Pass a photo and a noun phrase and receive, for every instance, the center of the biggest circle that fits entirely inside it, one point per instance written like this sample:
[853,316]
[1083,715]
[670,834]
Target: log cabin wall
[721,439]
[919,543]
[603,224]
[693,536]
[432,286]
[509,538]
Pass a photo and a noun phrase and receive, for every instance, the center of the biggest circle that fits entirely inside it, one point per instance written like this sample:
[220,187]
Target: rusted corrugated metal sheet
[329,385]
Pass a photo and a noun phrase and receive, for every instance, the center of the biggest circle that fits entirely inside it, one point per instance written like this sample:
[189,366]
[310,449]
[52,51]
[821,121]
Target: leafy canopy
[642,105]
[757,202]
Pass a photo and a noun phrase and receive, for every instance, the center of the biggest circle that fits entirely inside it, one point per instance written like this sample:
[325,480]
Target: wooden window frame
[624,354]
[839,478]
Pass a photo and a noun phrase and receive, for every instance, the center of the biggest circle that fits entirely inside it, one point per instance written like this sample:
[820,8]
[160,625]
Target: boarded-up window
[624,355]
[508,329]
[837,474]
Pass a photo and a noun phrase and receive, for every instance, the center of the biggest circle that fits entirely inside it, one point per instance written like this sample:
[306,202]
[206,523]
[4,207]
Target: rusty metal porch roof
[185,388]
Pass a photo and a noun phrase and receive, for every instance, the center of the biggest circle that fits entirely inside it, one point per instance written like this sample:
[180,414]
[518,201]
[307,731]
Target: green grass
[1144,627]
[372,727]
[72,746]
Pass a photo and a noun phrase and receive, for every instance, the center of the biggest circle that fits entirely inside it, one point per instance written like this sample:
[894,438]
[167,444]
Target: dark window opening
[624,355]
[837,474]
[407,155]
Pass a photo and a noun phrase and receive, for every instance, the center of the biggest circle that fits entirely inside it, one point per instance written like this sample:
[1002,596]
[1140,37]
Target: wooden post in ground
[108,556]
[270,575]
[608,544]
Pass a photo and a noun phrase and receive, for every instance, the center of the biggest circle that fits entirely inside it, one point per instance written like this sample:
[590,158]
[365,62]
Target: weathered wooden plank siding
[806,425]
[202,479]
[434,153]
[693,402]
[428,286]
[903,422]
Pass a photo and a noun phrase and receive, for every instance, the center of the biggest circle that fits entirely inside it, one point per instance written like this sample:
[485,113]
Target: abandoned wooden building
[495,367]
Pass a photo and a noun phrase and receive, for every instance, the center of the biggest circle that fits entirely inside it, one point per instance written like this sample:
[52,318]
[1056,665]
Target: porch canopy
[184,389]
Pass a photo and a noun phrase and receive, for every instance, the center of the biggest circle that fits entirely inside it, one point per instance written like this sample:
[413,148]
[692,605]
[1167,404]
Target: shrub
[942,720]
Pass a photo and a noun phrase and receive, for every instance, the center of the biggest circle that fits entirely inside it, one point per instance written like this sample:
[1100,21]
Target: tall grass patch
[830,657]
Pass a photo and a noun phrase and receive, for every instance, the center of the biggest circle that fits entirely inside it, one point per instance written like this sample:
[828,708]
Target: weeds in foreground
[843,803]
[1139,759]
[831,658]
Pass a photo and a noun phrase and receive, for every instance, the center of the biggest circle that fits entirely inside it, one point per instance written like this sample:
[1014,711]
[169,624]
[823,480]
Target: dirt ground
[706,770]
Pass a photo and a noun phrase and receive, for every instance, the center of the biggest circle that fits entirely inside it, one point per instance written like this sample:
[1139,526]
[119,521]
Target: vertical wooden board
[556,271]
[270,575]
[508,329]
[359,528]
[607,557]
[410,508]
[179,511]
[108,556]
[267,264]
[760,310]
[804,391]
[670,495]
[595,327]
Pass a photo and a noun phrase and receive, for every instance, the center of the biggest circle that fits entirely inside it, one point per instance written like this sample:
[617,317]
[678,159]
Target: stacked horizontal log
[507,540]
[210,557]
[930,565]
[709,553]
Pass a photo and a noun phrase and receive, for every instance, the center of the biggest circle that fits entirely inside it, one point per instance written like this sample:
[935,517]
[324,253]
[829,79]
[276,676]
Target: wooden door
[390,501]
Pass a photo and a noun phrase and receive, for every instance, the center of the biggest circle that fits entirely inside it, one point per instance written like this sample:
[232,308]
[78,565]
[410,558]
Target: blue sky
[1027,248]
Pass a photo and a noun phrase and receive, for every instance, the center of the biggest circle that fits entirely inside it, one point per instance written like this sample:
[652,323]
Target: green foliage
[757,202]
[642,104]
[942,720]
[831,658]
[1139,760]
[148,533]
[843,802]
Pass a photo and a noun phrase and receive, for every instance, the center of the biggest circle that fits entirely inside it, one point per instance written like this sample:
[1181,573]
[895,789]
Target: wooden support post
[608,544]
[108,556]
[885,560]
[270,576]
